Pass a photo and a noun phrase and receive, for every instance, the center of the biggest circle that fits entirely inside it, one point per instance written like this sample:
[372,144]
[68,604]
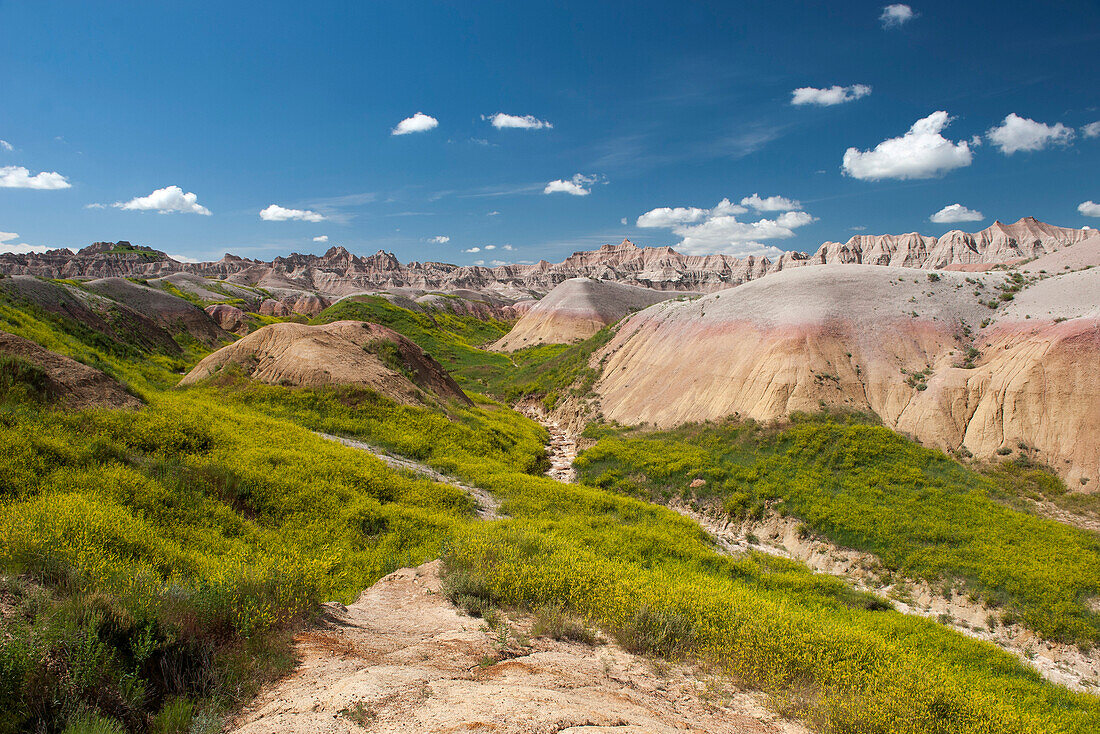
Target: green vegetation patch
[865,487]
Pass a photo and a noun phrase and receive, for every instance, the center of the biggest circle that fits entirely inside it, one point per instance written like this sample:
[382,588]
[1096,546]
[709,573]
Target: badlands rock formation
[227,317]
[339,273]
[576,310]
[74,385]
[173,313]
[340,353]
[893,341]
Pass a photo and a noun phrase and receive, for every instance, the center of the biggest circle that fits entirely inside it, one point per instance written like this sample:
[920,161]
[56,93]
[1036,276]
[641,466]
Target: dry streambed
[402,658]
[786,537]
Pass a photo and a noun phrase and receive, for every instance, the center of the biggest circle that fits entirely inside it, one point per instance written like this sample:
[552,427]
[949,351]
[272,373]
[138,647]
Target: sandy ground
[403,659]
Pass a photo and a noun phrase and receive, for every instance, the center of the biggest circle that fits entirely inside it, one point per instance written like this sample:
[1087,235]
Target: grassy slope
[189,533]
[544,371]
[865,487]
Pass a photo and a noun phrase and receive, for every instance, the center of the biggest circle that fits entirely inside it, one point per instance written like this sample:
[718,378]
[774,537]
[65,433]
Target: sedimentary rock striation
[339,273]
[928,355]
[576,310]
[340,353]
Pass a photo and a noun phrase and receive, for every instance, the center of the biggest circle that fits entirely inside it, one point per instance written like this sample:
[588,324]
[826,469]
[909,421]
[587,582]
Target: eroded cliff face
[888,341]
[339,273]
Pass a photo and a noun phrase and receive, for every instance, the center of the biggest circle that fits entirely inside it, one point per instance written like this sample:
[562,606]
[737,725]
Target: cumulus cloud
[440,239]
[473,249]
[671,216]
[896,15]
[17,177]
[418,123]
[276,213]
[19,249]
[718,229]
[1089,208]
[579,185]
[1020,133]
[921,153]
[166,200]
[771,203]
[956,213]
[830,96]
[183,258]
[490,247]
[523,122]
[1092,130]
[321,238]
[6,145]
[507,247]
[493,213]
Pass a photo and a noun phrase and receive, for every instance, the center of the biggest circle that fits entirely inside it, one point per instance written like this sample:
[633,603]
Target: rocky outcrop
[340,353]
[74,385]
[339,273]
[271,307]
[889,341]
[227,317]
[576,310]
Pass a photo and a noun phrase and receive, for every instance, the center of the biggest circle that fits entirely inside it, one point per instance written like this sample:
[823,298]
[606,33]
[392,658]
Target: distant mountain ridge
[339,273]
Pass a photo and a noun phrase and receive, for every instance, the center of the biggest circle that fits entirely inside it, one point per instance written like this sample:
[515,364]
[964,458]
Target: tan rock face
[576,310]
[340,353]
[856,337]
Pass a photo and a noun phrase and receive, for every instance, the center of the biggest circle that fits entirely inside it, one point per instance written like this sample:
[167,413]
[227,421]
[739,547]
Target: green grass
[865,487]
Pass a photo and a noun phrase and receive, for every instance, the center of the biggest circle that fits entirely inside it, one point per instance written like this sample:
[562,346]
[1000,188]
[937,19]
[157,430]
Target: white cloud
[5,236]
[24,249]
[895,15]
[1089,208]
[718,230]
[671,216]
[1092,130]
[17,177]
[830,96]
[490,247]
[166,200]
[276,213]
[509,248]
[418,123]
[441,239]
[493,213]
[622,221]
[771,203]
[479,262]
[496,263]
[473,249]
[321,238]
[1020,133]
[579,185]
[6,145]
[921,153]
[956,213]
[183,258]
[523,122]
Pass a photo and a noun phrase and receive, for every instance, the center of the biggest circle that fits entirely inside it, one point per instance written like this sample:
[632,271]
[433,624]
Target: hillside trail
[487,506]
[403,659]
[561,450]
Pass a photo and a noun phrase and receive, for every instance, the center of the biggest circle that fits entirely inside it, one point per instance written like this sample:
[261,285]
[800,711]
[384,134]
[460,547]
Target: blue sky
[665,115]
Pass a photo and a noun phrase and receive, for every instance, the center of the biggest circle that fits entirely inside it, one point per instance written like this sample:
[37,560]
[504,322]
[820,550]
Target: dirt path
[562,448]
[784,536]
[487,506]
[403,659]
